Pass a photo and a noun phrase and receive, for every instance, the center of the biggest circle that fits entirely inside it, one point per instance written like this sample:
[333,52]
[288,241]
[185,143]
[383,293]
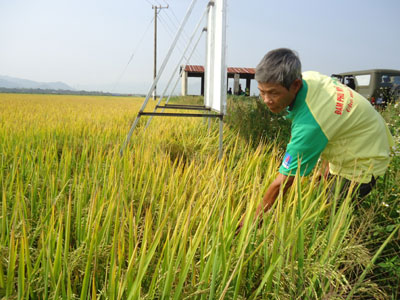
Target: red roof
[194,69]
[242,70]
[200,69]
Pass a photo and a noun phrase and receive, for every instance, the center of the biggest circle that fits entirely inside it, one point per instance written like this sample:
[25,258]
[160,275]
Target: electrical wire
[184,35]
[175,26]
[173,13]
[170,32]
[174,23]
[133,54]
[181,44]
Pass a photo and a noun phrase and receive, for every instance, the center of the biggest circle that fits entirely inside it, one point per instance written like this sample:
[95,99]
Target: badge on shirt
[286,161]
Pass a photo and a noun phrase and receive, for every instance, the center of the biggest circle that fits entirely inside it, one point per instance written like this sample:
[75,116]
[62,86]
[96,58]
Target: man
[329,120]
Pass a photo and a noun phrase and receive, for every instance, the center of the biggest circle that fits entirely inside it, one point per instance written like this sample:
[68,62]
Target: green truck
[379,86]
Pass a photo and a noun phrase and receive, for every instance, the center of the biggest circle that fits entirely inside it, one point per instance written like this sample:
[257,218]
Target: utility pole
[156,10]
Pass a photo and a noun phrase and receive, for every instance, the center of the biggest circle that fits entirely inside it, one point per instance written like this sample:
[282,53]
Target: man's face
[276,96]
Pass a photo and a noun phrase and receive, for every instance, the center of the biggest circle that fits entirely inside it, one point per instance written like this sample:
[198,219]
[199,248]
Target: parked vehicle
[380,86]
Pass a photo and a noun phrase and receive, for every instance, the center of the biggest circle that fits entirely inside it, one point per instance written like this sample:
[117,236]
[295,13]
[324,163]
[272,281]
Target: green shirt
[332,121]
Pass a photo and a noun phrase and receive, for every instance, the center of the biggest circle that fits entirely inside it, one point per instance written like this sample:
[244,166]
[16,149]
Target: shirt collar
[299,100]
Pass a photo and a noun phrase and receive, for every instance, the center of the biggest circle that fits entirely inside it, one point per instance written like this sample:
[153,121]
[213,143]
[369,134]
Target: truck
[379,86]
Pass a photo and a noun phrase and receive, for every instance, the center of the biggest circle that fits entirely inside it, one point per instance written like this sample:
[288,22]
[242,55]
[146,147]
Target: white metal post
[221,132]
[208,74]
[215,67]
[219,69]
[149,94]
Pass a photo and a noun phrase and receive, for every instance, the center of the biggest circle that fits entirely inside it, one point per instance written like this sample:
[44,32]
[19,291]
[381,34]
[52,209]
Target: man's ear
[296,85]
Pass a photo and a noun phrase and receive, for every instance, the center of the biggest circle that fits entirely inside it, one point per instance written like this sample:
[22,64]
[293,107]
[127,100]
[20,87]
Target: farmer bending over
[329,120]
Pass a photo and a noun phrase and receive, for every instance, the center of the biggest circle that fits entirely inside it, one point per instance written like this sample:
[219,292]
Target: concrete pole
[155,7]
[184,83]
[236,79]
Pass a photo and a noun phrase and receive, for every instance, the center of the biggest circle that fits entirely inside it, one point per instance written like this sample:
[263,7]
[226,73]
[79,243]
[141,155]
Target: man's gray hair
[280,66]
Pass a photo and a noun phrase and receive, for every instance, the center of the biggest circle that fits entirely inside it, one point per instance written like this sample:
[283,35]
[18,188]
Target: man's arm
[273,192]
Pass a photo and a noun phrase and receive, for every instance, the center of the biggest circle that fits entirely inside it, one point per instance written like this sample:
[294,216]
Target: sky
[106,45]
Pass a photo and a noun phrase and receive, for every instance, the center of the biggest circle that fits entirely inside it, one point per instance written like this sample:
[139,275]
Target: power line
[133,54]
[184,33]
[157,10]
[173,13]
[175,25]
[170,32]
[184,36]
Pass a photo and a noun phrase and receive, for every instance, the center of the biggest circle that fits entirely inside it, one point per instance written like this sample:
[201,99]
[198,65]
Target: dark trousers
[360,190]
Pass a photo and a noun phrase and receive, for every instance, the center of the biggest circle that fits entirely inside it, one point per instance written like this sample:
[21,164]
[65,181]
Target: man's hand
[281,181]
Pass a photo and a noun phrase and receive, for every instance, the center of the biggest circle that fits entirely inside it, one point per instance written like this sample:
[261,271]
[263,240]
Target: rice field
[77,221]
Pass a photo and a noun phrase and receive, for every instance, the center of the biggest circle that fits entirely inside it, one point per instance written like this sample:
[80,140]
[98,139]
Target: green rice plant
[79,221]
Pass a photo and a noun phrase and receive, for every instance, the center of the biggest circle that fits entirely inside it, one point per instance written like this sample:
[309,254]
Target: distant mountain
[12,82]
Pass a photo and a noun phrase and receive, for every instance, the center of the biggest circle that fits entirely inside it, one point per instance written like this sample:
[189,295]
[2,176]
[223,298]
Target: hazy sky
[87,44]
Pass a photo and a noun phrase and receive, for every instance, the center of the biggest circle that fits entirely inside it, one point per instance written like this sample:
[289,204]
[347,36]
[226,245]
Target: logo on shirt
[286,161]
